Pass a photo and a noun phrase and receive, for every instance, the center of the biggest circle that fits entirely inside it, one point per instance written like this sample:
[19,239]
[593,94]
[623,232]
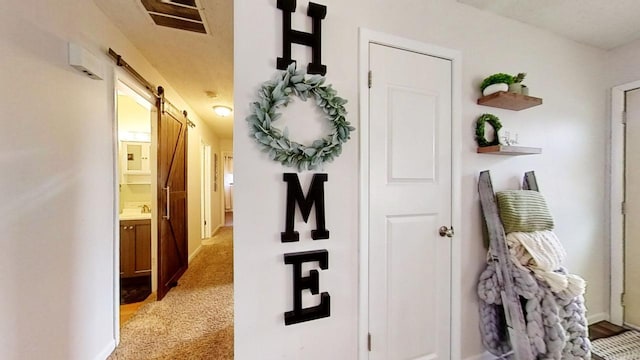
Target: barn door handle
[446,231]
[168,216]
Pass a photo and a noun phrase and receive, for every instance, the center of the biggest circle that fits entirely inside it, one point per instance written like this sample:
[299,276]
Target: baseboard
[193,255]
[484,356]
[592,319]
[632,327]
[107,350]
[215,231]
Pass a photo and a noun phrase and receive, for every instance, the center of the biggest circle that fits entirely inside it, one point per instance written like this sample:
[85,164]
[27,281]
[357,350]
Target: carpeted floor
[195,319]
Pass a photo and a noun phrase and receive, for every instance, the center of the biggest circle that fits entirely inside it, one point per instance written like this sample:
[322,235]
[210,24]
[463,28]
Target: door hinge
[622,298]
[369,341]
[623,208]
[624,117]
[370,81]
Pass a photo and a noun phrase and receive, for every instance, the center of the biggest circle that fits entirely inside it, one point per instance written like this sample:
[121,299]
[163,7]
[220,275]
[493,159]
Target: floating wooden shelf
[509,150]
[509,101]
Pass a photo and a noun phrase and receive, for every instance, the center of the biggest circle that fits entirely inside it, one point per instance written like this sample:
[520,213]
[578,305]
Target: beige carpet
[195,319]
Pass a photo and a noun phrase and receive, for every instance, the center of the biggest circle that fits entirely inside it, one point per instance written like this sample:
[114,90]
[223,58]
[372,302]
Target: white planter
[515,88]
[494,89]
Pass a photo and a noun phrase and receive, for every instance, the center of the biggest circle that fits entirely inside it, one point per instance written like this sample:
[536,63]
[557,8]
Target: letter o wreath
[480,132]
[276,93]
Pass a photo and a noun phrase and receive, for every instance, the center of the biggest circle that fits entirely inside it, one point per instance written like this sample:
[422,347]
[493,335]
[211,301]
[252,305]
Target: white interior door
[409,200]
[632,199]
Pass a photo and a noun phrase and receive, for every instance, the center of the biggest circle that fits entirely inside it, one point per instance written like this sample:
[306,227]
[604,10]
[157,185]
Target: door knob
[446,231]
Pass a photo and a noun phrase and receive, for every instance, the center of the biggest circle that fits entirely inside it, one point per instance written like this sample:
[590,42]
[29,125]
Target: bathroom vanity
[135,248]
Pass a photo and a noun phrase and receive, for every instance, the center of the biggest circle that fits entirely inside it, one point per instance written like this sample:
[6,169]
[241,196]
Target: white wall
[57,155]
[194,177]
[622,64]
[226,145]
[569,126]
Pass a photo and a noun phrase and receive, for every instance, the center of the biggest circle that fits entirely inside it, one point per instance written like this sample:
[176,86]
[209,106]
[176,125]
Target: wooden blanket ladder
[516,325]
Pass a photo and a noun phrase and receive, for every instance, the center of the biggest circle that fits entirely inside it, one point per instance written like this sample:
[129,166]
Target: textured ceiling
[605,24]
[192,63]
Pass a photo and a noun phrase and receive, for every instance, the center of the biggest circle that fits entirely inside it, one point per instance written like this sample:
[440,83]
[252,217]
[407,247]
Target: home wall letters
[314,39]
[311,282]
[315,196]
[304,158]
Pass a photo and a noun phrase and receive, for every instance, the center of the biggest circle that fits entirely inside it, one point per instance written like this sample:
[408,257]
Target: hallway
[195,319]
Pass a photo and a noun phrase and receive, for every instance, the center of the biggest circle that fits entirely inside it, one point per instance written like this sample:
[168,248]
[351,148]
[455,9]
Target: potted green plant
[496,82]
[517,86]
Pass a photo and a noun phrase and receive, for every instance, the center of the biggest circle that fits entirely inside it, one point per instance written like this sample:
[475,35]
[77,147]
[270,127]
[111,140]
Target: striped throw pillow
[524,211]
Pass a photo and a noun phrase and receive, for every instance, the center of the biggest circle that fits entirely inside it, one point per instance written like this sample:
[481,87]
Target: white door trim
[223,207]
[616,197]
[120,76]
[205,189]
[366,37]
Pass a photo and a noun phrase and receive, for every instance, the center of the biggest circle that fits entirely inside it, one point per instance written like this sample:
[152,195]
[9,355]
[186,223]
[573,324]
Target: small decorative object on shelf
[517,87]
[480,130]
[496,82]
[507,140]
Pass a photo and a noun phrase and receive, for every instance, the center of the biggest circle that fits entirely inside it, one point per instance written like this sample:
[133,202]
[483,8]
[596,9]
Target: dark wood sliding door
[172,196]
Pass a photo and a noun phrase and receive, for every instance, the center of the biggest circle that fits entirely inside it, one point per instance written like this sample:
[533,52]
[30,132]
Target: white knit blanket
[542,253]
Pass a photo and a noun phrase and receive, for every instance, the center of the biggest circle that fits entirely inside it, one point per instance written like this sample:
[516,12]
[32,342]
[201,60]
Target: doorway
[135,209]
[631,291]
[622,205]
[405,201]
[227,165]
[211,282]
[205,190]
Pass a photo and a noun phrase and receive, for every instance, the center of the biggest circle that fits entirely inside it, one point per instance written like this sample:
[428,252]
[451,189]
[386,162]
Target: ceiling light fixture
[222,110]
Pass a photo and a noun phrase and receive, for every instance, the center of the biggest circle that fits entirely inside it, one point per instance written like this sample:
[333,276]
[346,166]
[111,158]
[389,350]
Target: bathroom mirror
[134,157]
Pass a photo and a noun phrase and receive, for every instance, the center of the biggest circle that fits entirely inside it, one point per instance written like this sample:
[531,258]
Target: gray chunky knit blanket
[556,322]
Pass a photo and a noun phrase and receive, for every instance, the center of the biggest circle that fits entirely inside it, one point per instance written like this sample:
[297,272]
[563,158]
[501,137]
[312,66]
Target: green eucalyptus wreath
[494,122]
[276,93]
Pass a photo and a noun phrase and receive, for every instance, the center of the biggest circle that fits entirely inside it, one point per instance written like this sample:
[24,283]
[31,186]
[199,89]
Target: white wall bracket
[85,62]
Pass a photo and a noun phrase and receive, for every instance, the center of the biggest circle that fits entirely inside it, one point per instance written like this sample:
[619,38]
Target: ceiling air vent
[189,3]
[177,14]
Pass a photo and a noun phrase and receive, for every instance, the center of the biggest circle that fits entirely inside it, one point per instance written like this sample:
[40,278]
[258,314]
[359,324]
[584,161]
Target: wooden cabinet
[135,248]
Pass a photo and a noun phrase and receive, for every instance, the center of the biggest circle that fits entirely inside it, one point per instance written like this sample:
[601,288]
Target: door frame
[224,155]
[616,197]
[120,76]
[205,189]
[367,36]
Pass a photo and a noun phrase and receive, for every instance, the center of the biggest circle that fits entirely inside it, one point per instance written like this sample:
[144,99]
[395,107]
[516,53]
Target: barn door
[409,201]
[172,197]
